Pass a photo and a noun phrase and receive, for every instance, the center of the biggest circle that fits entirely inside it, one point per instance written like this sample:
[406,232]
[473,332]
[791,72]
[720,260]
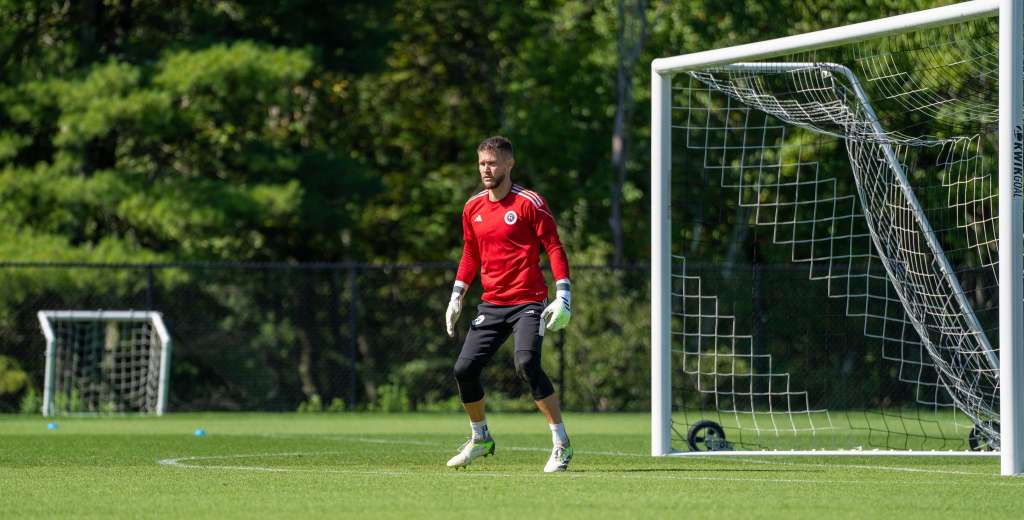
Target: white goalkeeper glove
[558,313]
[451,316]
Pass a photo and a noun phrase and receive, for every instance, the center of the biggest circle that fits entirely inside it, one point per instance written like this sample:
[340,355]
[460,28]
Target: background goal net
[105,362]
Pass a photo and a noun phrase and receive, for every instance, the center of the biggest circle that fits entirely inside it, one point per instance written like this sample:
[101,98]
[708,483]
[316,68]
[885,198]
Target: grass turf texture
[342,465]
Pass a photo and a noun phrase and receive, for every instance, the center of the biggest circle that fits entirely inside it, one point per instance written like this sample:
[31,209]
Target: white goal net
[833,282]
[105,362]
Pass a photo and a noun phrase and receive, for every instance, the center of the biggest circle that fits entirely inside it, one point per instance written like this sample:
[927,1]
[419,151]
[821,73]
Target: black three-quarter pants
[491,327]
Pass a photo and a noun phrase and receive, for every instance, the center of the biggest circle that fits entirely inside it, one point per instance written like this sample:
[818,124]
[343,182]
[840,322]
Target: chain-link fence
[340,335]
[354,336]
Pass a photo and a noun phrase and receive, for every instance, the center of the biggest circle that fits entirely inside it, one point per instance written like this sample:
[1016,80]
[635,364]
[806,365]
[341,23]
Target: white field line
[184,462]
[745,460]
[180,463]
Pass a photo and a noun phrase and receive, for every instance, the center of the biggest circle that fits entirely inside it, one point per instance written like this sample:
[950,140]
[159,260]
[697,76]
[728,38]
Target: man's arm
[468,266]
[558,313]
[470,262]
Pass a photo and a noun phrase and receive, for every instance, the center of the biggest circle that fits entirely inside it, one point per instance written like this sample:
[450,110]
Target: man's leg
[529,337]
[550,407]
[478,421]
[475,410]
[467,376]
[485,336]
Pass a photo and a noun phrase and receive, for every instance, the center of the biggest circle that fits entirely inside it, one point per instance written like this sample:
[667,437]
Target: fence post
[353,317]
[561,366]
[759,319]
[150,305]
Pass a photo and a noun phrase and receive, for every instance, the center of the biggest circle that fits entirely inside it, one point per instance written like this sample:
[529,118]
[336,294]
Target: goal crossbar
[1011,208]
[829,37]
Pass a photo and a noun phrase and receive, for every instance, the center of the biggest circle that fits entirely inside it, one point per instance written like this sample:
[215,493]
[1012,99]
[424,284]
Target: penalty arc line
[178,462]
[181,463]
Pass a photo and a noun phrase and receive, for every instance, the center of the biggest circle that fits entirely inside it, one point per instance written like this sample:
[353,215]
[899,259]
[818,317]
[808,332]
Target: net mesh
[870,186]
[105,366]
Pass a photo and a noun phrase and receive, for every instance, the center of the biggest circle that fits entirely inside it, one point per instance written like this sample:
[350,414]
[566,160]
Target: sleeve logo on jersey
[511,217]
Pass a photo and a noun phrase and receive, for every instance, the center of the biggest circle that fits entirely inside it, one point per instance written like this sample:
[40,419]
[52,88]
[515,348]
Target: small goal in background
[105,362]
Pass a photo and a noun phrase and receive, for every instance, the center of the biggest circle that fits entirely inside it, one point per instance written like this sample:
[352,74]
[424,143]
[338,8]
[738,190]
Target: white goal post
[714,72]
[105,361]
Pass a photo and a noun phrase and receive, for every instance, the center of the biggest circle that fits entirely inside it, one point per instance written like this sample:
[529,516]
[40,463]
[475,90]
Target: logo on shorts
[479,319]
[511,217]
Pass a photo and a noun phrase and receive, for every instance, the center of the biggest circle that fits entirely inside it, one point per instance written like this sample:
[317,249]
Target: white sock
[558,436]
[479,429]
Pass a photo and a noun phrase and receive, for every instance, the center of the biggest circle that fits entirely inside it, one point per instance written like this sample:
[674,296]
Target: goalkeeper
[503,228]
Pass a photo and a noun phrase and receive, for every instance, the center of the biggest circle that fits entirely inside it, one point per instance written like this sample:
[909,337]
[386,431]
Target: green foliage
[315,405]
[69,402]
[31,402]
[248,132]
[606,342]
[451,404]
[391,398]
[500,402]
[12,377]
[312,405]
[14,380]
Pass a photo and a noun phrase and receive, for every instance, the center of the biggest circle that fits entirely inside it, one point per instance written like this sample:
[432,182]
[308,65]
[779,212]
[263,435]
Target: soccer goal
[837,241]
[105,362]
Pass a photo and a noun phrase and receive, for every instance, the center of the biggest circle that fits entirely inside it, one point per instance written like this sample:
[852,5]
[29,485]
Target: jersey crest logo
[511,217]
[478,218]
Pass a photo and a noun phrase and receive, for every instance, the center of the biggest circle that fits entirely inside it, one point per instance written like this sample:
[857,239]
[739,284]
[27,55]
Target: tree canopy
[306,131]
[143,131]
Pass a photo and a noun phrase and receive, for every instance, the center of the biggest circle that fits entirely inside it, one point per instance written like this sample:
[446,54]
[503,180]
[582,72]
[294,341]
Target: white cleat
[470,451]
[559,460]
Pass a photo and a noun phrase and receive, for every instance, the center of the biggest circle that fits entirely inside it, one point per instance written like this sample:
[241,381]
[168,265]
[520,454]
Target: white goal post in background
[105,362]
[713,72]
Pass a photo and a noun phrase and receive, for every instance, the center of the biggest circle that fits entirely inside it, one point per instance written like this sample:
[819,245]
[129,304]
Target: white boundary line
[832,453]
[187,463]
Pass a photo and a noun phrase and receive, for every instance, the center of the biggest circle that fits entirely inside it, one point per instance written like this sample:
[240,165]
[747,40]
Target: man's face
[494,167]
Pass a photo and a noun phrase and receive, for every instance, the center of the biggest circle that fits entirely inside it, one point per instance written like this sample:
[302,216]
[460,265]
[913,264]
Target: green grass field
[379,465]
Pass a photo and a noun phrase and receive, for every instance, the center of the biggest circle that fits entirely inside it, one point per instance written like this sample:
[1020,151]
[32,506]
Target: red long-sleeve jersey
[503,239]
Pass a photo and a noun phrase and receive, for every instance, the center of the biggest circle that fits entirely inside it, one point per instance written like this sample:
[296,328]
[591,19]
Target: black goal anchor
[981,438]
[707,435]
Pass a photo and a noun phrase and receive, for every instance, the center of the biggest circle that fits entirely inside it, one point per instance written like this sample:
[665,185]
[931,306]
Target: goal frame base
[832,453]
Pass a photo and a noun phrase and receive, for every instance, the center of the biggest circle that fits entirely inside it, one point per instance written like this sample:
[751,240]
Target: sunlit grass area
[392,465]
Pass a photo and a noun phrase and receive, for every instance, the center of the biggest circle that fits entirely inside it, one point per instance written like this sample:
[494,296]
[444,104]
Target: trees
[296,131]
[307,137]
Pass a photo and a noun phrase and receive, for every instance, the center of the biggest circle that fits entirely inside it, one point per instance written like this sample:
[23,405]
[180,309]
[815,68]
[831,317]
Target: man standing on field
[503,229]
